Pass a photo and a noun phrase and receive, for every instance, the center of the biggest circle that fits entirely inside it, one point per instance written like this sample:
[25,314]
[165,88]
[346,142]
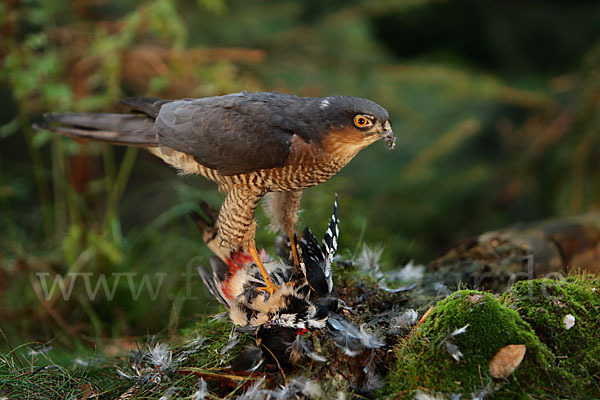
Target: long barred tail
[124,129]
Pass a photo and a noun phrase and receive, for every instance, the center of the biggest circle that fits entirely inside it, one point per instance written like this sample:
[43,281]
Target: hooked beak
[388,136]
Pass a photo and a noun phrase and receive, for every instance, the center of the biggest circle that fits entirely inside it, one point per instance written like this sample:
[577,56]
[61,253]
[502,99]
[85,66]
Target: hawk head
[361,118]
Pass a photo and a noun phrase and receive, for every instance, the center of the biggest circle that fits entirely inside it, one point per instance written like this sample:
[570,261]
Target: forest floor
[429,338]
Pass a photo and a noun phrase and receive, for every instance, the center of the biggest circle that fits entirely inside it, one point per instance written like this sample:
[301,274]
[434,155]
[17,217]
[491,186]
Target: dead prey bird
[304,302]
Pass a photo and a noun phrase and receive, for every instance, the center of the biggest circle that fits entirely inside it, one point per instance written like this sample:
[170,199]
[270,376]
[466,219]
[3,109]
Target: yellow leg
[270,285]
[294,249]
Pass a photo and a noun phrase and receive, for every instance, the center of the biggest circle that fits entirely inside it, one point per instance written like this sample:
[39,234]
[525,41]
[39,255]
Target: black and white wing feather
[329,244]
[316,260]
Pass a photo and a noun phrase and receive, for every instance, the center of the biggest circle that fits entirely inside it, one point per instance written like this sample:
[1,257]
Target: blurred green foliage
[496,117]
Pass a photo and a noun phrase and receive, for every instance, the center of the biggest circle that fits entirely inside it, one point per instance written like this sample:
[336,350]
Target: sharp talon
[268,289]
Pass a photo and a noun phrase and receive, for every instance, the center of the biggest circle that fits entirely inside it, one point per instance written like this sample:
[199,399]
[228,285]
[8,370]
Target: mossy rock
[424,363]
[544,304]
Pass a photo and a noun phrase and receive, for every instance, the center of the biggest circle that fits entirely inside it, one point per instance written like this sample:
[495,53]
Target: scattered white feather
[234,338]
[324,104]
[482,394]
[441,289]
[202,392]
[458,331]
[368,340]
[450,347]
[123,374]
[188,349]
[255,392]
[346,335]
[453,350]
[350,352]
[316,356]
[308,387]
[296,388]
[169,393]
[411,272]
[369,257]
[300,347]
[220,316]
[405,320]
[82,363]
[40,350]
[195,343]
[340,324]
[569,321]
[428,396]
[352,339]
[160,356]
[373,380]
[256,365]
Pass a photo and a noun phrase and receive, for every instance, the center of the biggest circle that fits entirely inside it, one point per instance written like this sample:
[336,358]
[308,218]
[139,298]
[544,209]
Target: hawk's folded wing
[233,134]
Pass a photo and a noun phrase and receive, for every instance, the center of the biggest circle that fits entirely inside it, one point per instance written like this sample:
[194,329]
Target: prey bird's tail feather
[123,129]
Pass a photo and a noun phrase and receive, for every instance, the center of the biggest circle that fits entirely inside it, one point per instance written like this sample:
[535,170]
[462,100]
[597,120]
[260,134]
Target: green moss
[424,363]
[544,303]
[559,362]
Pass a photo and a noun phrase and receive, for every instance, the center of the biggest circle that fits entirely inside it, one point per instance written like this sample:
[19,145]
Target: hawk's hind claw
[270,288]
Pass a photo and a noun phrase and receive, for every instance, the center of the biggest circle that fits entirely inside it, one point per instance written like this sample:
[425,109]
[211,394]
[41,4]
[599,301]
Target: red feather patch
[236,262]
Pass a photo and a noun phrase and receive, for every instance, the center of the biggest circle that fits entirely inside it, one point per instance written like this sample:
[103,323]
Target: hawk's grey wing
[233,134]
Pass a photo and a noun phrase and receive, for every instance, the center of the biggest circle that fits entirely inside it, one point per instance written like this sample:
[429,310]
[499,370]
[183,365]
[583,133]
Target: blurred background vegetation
[495,106]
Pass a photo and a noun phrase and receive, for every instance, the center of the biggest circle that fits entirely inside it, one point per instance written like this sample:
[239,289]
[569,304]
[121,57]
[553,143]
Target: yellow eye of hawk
[361,121]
